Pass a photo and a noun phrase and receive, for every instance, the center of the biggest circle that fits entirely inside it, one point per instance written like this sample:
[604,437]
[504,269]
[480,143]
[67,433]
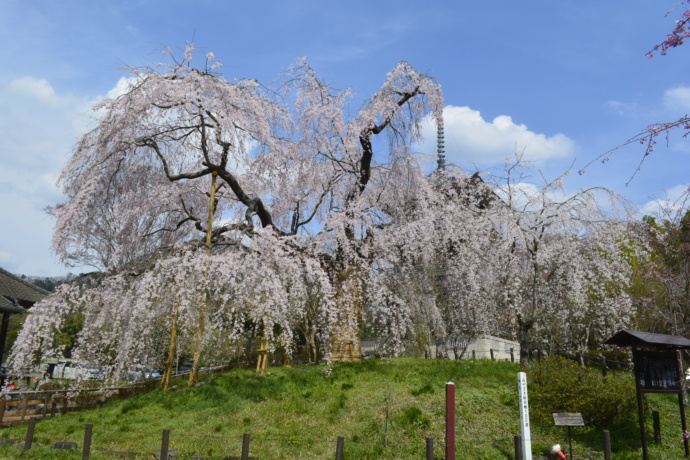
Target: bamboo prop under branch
[167,373]
[194,375]
[262,362]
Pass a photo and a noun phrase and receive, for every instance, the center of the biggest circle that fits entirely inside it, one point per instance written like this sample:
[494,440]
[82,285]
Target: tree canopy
[314,218]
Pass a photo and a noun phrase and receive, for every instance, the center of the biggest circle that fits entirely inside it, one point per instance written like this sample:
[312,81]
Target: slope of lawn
[384,408]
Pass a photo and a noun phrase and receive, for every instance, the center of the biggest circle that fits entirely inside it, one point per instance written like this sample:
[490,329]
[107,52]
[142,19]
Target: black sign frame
[657,371]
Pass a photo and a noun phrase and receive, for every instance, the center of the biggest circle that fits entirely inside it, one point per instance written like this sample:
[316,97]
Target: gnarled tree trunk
[345,337]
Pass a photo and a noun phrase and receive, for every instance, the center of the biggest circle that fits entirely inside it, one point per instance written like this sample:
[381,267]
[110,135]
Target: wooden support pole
[450,421]
[29,434]
[339,447]
[86,452]
[245,446]
[657,427]
[640,411]
[3,334]
[164,444]
[429,449]
[262,362]
[194,374]
[607,445]
[24,400]
[683,425]
[170,362]
[3,401]
[517,441]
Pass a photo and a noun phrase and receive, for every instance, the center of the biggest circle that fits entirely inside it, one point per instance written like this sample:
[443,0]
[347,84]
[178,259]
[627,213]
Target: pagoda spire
[440,144]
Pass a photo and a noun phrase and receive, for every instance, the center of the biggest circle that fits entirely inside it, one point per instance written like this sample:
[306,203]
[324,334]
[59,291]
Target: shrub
[414,416]
[561,385]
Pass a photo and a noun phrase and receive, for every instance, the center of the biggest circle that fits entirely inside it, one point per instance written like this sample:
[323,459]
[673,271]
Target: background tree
[568,255]
[662,279]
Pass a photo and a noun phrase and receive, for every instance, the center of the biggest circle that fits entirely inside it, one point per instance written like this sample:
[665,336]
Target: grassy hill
[385,409]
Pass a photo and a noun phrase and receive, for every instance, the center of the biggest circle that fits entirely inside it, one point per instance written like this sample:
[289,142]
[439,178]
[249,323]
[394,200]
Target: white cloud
[123,85]
[674,100]
[39,126]
[675,201]
[677,98]
[471,139]
[37,90]
[623,109]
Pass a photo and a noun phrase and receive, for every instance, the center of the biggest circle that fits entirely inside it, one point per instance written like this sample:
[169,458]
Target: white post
[524,417]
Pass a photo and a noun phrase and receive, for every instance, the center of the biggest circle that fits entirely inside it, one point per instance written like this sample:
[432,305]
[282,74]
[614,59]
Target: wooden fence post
[450,421]
[86,452]
[164,444]
[245,446]
[3,400]
[339,448]
[429,449]
[29,434]
[44,411]
[607,445]
[657,427]
[517,439]
[25,398]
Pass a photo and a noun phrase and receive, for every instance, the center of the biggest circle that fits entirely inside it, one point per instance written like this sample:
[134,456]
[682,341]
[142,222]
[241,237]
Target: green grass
[385,409]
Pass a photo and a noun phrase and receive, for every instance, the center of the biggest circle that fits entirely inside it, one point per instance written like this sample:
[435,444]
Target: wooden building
[16,297]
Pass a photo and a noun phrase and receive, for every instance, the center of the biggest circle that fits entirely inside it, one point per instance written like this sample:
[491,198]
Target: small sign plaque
[568,419]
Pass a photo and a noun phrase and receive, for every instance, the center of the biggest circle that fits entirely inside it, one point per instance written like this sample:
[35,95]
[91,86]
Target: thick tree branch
[172,177]
[253,203]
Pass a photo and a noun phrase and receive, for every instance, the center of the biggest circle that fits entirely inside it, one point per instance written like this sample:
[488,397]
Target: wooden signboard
[568,419]
[657,371]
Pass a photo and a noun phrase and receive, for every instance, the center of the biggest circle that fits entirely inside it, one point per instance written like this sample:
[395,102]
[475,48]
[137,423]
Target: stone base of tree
[346,350]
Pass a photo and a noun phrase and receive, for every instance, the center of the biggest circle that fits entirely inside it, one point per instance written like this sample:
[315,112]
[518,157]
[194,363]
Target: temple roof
[16,293]
[629,338]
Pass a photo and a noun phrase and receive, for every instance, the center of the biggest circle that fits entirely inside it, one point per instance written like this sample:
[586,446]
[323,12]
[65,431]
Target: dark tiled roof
[7,306]
[12,286]
[628,338]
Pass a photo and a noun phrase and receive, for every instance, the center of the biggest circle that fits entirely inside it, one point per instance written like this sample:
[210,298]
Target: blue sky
[565,80]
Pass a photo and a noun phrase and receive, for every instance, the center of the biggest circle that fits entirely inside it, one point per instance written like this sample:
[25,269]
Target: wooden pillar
[640,408]
[86,451]
[450,421]
[339,446]
[607,445]
[245,446]
[429,449]
[517,441]
[3,334]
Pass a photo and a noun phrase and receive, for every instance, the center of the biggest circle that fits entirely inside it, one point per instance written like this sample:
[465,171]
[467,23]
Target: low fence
[236,448]
[19,406]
